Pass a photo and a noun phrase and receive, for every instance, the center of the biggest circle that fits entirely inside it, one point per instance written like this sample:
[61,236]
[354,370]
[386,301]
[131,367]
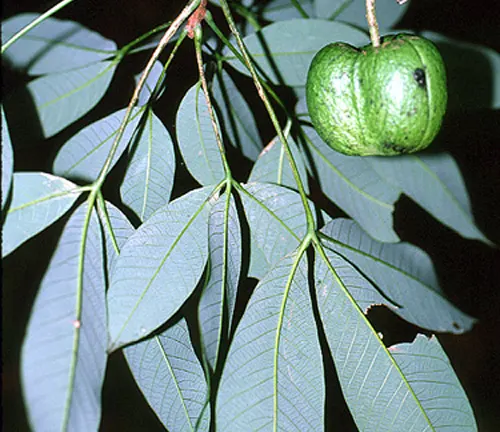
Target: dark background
[469,271]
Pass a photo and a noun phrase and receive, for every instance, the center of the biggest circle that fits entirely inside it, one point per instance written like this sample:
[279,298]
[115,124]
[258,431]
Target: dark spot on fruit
[371,102]
[419,77]
[395,147]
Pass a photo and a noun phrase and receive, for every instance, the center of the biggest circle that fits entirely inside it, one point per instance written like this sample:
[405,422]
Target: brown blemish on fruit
[395,147]
[419,77]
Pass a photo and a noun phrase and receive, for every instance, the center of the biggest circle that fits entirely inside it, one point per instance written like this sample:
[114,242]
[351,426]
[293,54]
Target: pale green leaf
[236,117]
[196,138]
[158,268]
[83,156]
[149,177]
[433,379]
[38,200]
[171,378]
[292,46]
[388,12]
[407,387]
[7,161]
[277,223]
[472,71]
[224,267]
[403,273]
[284,10]
[154,76]
[328,9]
[352,184]
[273,166]
[63,356]
[53,46]
[433,181]
[59,99]
[273,375]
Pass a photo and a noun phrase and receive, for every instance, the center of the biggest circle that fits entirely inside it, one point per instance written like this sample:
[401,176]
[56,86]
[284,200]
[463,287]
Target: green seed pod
[387,100]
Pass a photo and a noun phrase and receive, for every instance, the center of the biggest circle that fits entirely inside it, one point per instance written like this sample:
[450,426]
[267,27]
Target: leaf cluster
[166,278]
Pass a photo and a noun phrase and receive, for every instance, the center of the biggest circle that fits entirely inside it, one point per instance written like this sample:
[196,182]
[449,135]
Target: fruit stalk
[372,23]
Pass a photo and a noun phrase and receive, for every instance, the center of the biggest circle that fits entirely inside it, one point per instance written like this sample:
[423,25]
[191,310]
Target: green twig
[272,114]
[199,61]
[184,14]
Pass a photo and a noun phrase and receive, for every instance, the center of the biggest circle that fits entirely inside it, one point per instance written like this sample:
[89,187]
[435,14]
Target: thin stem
[159,83]
[246,57]
[127,48]
[199,61]
[248,15]
[185,13]
[372,23]
[233,49]
[35,22]
[101,204]
[300,9]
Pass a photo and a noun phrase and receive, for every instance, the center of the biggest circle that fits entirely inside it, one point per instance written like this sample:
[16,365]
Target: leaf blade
[434,182]
[403,272]
[292,45]
[273,377]
[54,45]
[277,223]
[353,185]
[166,251]
[219,293]
[7,161]
[171,379]
[64,352]
[198,145]
[382,392]
[237,118]
[83,156]
[149,177]
[38,200]
[59,99]
[273,166]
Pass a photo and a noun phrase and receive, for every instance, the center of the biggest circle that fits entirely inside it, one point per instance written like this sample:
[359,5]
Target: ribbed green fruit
[388,100]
